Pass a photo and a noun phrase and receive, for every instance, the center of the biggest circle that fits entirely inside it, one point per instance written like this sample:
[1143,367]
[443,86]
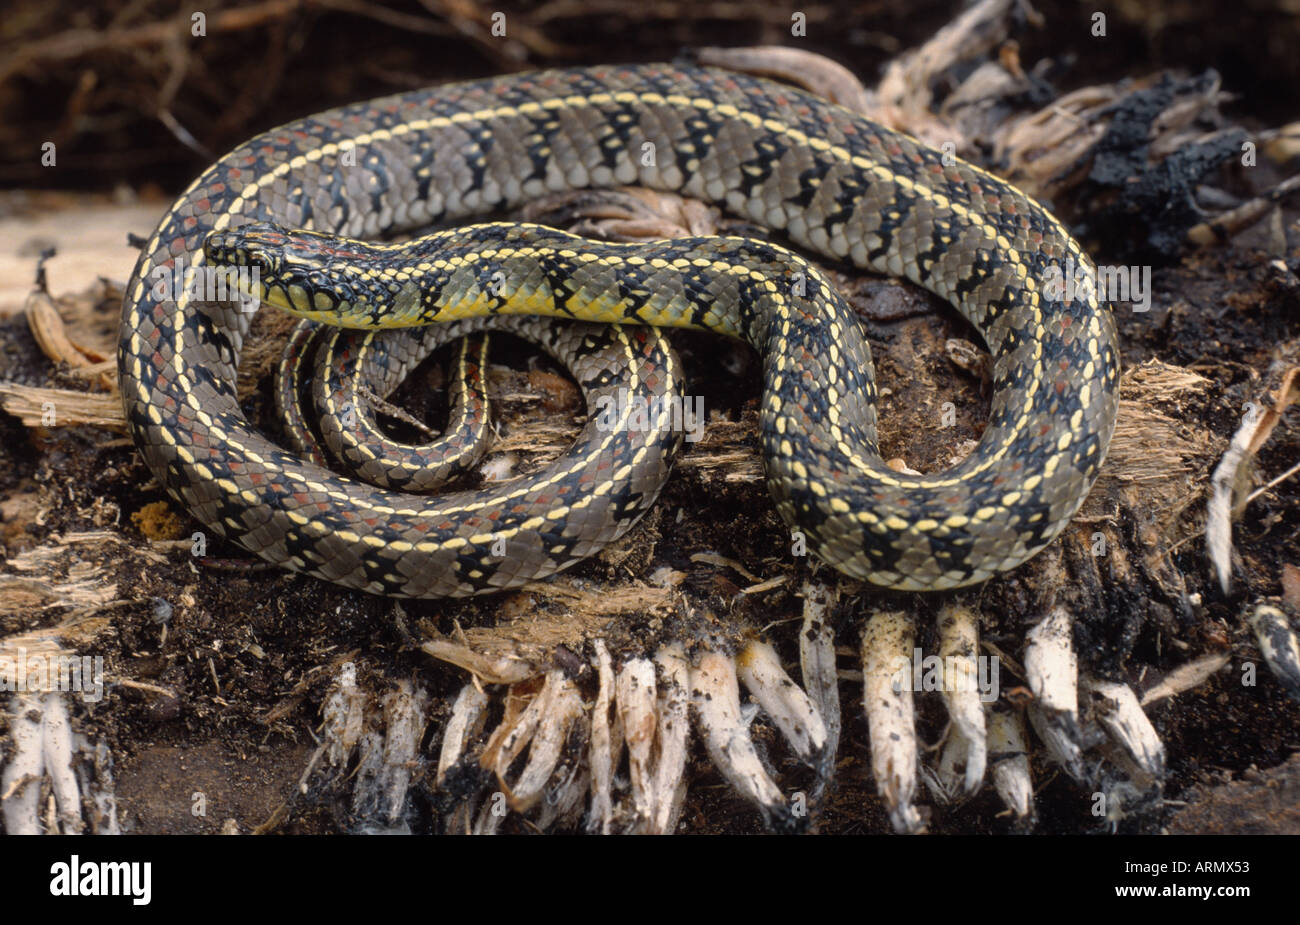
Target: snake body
[835,183]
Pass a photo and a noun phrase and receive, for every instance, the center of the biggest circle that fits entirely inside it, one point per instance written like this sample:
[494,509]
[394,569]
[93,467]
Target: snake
[313,207]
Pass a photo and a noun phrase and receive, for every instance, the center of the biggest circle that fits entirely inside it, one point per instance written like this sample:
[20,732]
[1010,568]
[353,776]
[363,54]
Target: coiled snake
[834,182]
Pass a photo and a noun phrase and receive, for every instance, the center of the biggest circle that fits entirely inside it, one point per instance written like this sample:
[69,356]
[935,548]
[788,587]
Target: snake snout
[251,245]
[219,247]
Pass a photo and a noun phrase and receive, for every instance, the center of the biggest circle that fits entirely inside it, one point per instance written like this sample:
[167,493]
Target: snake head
[258,246]
[289,269]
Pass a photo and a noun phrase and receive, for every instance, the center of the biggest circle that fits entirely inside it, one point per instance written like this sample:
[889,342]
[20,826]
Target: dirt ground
[227,667]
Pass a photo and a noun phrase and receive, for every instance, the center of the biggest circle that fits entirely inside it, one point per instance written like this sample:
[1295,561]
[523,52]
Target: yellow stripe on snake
[833,182]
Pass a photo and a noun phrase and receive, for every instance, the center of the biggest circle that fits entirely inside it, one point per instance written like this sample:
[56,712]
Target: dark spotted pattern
[834,182]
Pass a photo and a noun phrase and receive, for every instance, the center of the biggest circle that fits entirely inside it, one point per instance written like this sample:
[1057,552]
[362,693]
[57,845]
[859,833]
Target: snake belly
[834,182]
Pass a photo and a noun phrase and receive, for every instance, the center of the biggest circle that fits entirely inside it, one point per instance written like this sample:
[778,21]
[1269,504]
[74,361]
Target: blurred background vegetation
[136,102]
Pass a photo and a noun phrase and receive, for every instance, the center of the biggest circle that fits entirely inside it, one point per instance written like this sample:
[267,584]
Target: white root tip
[1117,710]
[1277,642]
[887,699]
[715,696]
[1009,762]
[959,652]
[792,710]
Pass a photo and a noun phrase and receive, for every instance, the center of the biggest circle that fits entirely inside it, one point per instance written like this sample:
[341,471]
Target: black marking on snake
[703,135]
[622,143]
[303,202]
[377,185]
[612,147]
[220,342]
[983,263]
[537,147]
[477,158]
[340,210]
[556,272]
[753,295]
[891,220]
[633,295]
[423,173]
[757,171]
[940,239]
[847,200]
[810,183]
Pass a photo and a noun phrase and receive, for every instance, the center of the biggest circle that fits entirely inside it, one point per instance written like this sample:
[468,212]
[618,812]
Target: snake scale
[835,183]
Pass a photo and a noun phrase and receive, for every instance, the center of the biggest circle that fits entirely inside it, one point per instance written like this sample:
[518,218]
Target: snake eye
[260,262]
